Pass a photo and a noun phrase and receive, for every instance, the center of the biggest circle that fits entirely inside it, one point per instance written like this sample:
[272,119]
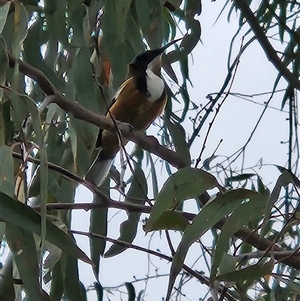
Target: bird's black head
[142,60]
[149,58]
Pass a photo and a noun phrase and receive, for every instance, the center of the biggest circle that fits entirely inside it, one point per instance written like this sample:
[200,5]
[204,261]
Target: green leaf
[210,214]
[171,23]
[55,13]
[35,119]
[241,177]
[15,29]
[155,33]
[207,161]
[178,136]
[131,291]
[170,220]
[99,290]
[3,71]
[249,273]
[193,7]
[294,286]
[114,25]
[74,143]
[7,181]
[98,225]
[82,88]
[143,14]
[133,36]
[25,217]
[244,214]
[140,295]
[227,264]
[137,194]
[185,184]
[22,245]
[4,9]
[191,40]
[74,289]
[153,175]
[33,43]
[7,292]
[57,282]
[282,17]
[284,179]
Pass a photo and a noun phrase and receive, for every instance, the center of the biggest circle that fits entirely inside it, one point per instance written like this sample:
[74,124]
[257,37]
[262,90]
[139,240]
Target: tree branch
[270,52]
[148,143]
[197,275]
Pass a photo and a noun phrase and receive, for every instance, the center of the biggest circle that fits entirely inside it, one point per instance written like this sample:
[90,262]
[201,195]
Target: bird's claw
[126,127]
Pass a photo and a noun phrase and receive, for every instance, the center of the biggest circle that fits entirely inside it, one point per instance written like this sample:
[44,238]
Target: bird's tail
[98,171]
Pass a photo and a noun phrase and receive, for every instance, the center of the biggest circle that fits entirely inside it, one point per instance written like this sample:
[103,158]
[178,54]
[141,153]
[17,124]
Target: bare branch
[291,78]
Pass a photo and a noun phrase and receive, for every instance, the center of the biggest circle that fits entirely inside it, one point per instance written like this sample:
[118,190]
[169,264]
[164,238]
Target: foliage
[61,62]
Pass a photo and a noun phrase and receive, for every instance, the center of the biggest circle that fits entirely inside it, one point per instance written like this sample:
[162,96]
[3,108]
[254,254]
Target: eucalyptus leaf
[23,216]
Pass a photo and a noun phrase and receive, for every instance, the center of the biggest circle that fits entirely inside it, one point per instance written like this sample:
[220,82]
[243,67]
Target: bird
[138,101]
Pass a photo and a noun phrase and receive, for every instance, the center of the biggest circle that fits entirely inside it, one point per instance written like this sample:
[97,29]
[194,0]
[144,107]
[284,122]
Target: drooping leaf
[131,291]
[137,194]
[57,282]
[98,225]
[99,290]
[23,247]
[249,273]
[185,184]
[7,181]
[284,179]
[25,217]
[7,291]
[154,33]
[3,14]
[170,220]
[178,136]
[116,12]
[15,29]
[193,7]
[210,214]
[74,289]
[4,68]
[244,214]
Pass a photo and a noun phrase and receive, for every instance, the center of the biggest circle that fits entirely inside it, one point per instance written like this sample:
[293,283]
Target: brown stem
[270,52]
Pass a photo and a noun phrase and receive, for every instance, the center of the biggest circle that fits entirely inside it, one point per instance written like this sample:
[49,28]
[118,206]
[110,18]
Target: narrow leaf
[211,213]
[98,225]
[284,179]
[137,194]
[3,14]
[185,184]
[22,245]
[6,171]
[244,214]
[249,273]
[25,217]
[130,290]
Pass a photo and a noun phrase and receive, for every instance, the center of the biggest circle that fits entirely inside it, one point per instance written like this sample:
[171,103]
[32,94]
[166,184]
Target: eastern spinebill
[139,100]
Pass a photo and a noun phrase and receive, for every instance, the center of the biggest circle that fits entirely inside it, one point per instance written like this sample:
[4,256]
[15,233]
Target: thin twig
[266,45]
[201,278]
[220,105]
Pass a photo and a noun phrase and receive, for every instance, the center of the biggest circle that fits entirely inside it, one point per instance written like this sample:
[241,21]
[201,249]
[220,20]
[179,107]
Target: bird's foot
[126,128]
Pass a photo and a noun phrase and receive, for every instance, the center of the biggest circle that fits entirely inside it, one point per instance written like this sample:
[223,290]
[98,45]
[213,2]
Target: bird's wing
[115,98]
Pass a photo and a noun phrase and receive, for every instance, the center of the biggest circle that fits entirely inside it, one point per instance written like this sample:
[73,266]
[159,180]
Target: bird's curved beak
[155,64]
[162,49]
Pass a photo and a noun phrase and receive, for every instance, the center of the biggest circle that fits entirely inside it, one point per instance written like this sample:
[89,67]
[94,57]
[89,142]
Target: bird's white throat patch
[155,85]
